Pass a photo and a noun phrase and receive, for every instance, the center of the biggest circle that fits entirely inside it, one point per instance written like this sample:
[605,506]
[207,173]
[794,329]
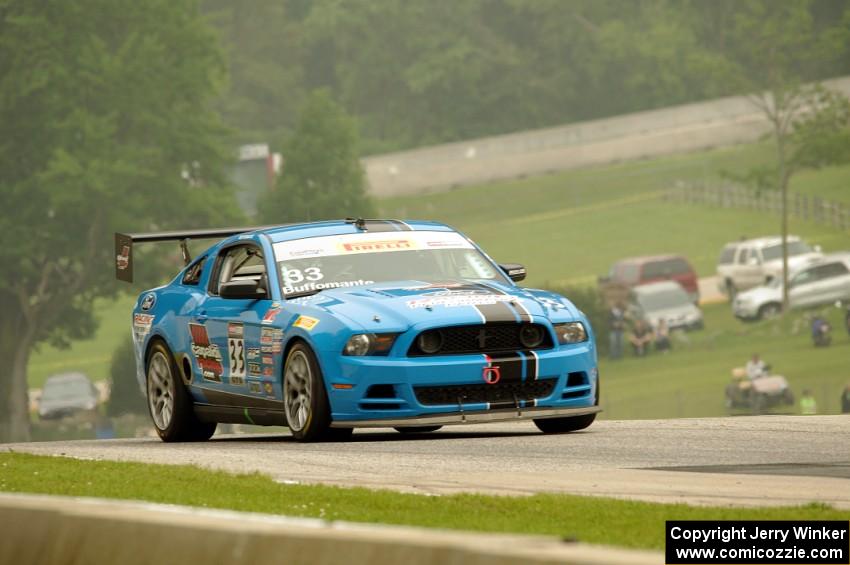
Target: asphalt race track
[747,461]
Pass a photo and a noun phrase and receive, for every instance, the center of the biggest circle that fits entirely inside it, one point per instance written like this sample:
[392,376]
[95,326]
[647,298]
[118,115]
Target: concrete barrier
[52,530]
[678,129]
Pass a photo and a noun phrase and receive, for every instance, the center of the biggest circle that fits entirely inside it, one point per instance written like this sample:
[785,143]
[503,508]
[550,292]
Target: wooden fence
[800,206]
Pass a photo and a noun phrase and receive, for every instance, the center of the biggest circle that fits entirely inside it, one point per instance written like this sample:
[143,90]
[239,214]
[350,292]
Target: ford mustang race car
[328,326]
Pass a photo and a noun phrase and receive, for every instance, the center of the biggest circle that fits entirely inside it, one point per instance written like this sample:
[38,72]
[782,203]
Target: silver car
[823,282]
[666,301]
[67,394]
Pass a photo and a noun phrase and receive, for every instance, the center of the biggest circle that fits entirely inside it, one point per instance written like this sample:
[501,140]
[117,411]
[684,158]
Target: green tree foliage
[322,177]
[125,396]
[105,103]
[418,72]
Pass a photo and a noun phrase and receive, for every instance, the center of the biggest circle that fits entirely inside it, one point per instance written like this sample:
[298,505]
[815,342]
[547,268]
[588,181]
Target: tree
[105,103]
[774,48]
[322,177]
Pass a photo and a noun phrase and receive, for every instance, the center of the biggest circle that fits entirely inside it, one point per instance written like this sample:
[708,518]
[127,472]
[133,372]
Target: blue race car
[328,326]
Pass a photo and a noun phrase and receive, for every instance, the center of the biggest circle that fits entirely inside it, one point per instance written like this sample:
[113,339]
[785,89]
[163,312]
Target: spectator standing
[845,400]
[808,406]
[616,328]
[662,337]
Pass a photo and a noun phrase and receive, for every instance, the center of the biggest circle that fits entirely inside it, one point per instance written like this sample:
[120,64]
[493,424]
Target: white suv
[754,262]
[824,282]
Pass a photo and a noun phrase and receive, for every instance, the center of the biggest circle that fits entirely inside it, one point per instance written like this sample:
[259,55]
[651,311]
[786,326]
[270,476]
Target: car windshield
[662,299]
[313,264]
[66,389]
[794,248]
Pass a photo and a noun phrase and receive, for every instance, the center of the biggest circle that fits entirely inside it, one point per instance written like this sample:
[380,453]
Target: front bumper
[352,383]
[464,417]
[745,310]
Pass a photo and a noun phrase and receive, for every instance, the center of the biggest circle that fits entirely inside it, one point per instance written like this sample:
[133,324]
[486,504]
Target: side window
[805,277]
[192,276]
[656,270]
[831,270]
[743,255]
[241,262]
[677,266]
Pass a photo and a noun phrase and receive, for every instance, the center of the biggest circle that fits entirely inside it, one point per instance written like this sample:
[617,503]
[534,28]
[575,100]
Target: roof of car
[661,286]
[649,258]
[765,241]
[342,227]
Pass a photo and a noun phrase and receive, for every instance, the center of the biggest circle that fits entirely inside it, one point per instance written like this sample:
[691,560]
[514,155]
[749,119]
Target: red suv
[636,271]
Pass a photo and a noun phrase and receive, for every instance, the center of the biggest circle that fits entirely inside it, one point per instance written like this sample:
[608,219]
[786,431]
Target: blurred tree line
[418,72]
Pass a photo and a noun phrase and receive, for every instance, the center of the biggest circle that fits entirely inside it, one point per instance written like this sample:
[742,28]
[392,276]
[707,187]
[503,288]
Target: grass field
[569,227]
[90,356]
[586,519]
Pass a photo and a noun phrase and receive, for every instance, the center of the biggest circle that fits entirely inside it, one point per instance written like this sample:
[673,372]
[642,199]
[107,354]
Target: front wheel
[169,403]
[308,412]
[769,311]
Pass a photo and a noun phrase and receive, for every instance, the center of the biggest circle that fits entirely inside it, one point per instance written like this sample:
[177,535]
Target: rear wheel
[418,429]
[308,412]
[169,403]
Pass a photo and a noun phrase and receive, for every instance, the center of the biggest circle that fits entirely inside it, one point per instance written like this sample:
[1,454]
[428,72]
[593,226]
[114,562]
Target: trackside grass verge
[586,519]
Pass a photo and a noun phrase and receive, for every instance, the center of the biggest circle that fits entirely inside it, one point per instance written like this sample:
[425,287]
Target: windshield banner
[374,242]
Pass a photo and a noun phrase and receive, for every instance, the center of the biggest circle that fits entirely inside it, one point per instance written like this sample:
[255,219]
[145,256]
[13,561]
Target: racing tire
[769,311]
[418,429]
[169,403]
[306,405]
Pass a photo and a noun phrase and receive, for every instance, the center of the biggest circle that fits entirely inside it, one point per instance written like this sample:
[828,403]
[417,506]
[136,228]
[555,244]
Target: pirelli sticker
[369,242]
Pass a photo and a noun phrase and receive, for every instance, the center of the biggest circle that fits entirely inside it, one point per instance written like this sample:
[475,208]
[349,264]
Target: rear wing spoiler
[124,244]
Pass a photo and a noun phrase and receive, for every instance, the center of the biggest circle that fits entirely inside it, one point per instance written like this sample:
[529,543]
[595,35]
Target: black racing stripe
[530,366]
[510,367]
[380,225]
[498,312]
[401,225]
[524,315]
[221,398]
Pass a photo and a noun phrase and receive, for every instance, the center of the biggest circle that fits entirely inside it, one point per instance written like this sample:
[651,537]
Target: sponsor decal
[267,348]
[269,388]
[306,323]
[207,354]
[492,375]
[255,387]
[142,324]
[268,371]
[305,253]
[235,330]
[271,314]
[268,360]
[253,353]
[378,246]
[122,260]
[255,370]
[551,303]
[454,299]
[148,301]
[308,286]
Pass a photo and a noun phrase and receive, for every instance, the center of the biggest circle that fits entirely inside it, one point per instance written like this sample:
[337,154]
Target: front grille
[476,394]
[480,338]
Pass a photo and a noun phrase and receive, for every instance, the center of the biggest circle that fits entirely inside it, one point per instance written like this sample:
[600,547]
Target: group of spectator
[637,332]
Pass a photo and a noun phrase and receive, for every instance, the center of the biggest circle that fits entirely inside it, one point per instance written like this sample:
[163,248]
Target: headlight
[369,344]
[430,342]
[531,336]
[572,332]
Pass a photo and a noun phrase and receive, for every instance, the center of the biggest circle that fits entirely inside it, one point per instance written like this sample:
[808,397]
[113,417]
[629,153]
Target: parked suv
[754,262]
[824,282]
[636,271]
[665,301]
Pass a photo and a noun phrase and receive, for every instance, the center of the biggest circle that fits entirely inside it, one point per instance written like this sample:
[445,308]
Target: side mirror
[245,289]
[818,249]
[514,271]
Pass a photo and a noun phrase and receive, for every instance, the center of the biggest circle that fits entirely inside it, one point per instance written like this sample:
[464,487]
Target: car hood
[399,306]
[761,294]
